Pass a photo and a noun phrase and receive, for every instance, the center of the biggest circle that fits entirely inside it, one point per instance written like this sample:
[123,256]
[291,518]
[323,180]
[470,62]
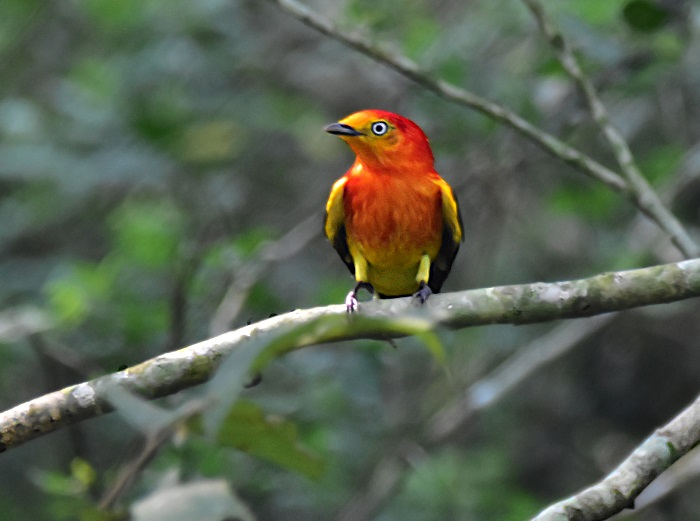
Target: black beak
[341,130]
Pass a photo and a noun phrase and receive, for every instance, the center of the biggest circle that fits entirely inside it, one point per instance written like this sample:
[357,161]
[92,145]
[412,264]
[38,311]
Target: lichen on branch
[380,319]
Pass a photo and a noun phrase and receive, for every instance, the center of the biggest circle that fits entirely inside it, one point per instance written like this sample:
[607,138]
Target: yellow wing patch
[450,211]
[334,226]
[335,210]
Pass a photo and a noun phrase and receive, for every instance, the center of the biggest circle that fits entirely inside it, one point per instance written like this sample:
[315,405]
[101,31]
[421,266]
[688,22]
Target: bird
[395,223]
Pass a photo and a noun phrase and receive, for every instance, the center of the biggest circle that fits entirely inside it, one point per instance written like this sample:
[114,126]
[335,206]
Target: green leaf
[272,438]
[224,389]
[248,360]
[204,500]
[644,16]
[228,382]
[333,325]
[83,472]
[56,483]
[433,344]
[139,413]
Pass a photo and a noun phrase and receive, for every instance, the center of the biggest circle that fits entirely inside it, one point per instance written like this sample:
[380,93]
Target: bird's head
[385,141]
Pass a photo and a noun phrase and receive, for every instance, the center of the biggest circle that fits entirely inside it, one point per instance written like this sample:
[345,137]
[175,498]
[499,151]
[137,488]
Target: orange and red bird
[392,219]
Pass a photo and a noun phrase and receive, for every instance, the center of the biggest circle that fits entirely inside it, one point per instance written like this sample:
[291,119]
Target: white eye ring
[379,128]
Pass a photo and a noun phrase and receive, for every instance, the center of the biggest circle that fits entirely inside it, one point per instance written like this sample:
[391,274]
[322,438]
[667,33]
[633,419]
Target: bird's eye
[379,128]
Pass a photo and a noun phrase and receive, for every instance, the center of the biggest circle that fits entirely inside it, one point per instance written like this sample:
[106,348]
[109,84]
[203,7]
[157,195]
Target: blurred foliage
[150,149]
[246,428]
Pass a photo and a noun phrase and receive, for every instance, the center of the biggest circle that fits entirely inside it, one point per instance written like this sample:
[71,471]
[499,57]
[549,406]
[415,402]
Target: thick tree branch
[683,473]
[619,489]
[516,304]
[646,198]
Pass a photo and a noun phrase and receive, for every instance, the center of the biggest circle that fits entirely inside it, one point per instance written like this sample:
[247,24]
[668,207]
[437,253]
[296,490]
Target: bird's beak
[340,129]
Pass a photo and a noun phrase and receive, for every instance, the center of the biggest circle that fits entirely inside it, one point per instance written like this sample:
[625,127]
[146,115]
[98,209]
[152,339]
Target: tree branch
[510,373]
[154,441]
[248,275]
[644,195]
[410,69]
[681,474]
[516,304]
[619,489]
[634,185]
[23,322]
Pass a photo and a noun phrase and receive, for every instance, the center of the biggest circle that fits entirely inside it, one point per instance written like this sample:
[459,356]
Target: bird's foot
[423,292]
[351,303]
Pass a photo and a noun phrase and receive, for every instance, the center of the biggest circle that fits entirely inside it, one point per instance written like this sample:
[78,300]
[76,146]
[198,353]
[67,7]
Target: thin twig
[513,371]
[129,473]
[22,322]
[245,278]
[644,195]
[65,357]
[178,300]
[154,441]
[384,482]
[450,92]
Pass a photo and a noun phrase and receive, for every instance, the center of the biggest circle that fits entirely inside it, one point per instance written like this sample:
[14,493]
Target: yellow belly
[394,280]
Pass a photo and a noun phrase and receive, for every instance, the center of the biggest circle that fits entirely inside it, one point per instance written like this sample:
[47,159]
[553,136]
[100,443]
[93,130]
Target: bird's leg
[351,299]
[424,290]
[361,277]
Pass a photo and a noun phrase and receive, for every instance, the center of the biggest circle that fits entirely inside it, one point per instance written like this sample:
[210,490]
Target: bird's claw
[351,302]
[423,292]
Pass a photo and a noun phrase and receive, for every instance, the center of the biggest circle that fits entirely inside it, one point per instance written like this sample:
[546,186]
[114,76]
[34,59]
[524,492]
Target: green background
[151,151]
